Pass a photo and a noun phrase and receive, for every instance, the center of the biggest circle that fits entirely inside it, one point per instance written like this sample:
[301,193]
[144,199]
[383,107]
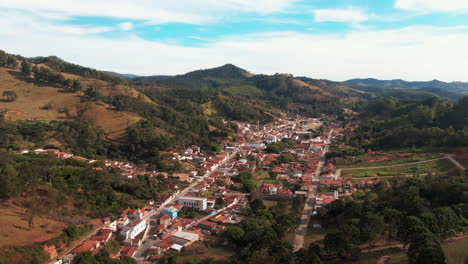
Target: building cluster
[52,152]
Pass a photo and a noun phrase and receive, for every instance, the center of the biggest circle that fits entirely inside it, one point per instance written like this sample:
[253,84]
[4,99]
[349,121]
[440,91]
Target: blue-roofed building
[170,211]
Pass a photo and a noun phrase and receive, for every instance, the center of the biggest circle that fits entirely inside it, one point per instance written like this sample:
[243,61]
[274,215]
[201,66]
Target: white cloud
[126,26]
[340,15]
[433,5]
[81,30]
[414,53]
[152,11]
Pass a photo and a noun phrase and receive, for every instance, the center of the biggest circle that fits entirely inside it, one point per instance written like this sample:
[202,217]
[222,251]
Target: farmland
[434,166]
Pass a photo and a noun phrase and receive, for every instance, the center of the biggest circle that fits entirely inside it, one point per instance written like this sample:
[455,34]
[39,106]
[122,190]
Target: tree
[234,234]
[9,182]
[9,96]
[11,61]
[219,203]
[257,204]
[76,86]
[25,68]
[3,58]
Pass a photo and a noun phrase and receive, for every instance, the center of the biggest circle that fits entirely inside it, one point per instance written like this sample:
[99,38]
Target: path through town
[301,230]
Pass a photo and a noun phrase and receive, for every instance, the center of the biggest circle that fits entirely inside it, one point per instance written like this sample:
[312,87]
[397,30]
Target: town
[206,200]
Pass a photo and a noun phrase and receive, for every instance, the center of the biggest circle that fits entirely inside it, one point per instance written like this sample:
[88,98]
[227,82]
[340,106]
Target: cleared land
[42,101]
[384,159]
[15,231]
[434,166]
[199,251]
[455,253]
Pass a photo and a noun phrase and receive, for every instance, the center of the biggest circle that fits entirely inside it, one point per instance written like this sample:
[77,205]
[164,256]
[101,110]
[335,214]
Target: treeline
[60,65]
[98,193]
[8,60]
[45,74]
[419,212]
[389,123]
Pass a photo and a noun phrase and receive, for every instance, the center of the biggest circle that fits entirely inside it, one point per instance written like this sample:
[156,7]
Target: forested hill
[46,101]
[457,87]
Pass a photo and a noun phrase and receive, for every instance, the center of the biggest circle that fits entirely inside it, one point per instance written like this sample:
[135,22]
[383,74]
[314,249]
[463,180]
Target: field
[263,177]
[314,235]
[384,159]
[40,101]
[199,251]
[455,253]
[14,228]
[436,166]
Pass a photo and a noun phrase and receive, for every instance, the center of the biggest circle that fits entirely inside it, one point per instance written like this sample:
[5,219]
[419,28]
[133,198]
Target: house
[127,251]
[134,228]
[154,253]
[165,220]
[184,238]
[208,225]
[316,223]
[170,211]
[88,245]
[199,203]
[64,155]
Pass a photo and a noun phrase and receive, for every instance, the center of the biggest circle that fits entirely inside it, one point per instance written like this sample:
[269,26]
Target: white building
[134,228]
[184,238]
[199,203]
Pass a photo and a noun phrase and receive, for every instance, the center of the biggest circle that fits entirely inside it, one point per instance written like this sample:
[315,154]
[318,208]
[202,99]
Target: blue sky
[330,39]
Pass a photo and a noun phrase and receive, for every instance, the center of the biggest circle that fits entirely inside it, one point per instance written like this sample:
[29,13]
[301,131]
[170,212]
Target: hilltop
[133,117]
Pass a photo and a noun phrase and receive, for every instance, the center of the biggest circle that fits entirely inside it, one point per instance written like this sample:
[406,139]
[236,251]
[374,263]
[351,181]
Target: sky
[324,39]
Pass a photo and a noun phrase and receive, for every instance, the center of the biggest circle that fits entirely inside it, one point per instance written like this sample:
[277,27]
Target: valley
[226,166]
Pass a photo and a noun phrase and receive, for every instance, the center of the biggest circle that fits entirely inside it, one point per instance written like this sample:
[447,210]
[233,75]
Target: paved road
[338,172]
[301,230]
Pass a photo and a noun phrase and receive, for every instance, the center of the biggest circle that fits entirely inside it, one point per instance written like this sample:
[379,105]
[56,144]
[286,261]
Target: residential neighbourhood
[210,197]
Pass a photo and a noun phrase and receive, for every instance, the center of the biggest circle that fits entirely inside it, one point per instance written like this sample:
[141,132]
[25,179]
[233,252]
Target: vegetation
[389,123]
[259,236]
[417,212]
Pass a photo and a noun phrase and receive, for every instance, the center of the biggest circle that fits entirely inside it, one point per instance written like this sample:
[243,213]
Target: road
[455,162]
[301,230]
[94,232]
[147,242]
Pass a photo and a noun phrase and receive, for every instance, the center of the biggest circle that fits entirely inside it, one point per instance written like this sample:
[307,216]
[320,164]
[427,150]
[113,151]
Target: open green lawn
[436,166]
[367,160]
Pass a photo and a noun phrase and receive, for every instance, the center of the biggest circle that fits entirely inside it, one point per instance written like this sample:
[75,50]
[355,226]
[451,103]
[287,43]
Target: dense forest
[390,123]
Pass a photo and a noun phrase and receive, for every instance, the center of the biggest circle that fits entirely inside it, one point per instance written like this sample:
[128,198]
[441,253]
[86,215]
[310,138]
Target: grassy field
[384,159]
[436,166]
[198,251]
[14,228]
[455,253]
[263,177]
[36,100]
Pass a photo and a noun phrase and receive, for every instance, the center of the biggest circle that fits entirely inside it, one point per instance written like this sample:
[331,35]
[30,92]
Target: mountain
[122,75]
[279,91]
[458,87]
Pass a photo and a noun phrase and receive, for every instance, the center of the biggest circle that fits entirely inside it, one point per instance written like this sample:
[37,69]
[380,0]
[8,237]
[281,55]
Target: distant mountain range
[457,87]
